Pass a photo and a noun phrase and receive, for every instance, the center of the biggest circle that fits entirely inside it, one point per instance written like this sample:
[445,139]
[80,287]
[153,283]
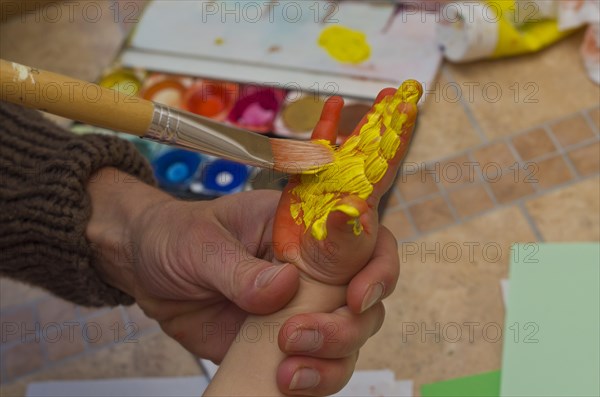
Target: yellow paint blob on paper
[345,45]
[359,163]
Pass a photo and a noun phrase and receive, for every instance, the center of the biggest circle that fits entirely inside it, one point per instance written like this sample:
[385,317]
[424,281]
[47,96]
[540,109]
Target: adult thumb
[258,286]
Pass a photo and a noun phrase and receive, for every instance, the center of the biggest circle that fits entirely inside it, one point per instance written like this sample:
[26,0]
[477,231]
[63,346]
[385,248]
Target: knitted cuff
[44,207]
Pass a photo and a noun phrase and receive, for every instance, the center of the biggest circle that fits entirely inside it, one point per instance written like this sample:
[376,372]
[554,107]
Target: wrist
[312,297]
[259,339]
[315,296]
[117,201]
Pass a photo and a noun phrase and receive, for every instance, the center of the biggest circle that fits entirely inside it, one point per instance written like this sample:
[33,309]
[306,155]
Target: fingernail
[304,340]
[373,295]
[305,378]
[265,277]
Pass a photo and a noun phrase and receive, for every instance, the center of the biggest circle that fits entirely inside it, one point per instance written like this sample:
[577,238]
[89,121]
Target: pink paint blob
[257,109]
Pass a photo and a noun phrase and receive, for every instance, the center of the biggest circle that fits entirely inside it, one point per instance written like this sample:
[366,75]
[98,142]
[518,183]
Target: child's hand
[343,253]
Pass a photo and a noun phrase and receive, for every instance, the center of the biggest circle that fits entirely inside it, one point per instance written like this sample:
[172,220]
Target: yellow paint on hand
[345,45]
[359,163]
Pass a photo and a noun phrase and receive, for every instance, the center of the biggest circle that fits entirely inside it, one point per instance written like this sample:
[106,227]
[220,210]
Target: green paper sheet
[552,328]
[482,385]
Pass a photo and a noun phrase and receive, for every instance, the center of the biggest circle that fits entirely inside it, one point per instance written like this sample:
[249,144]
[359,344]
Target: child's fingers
[406,134]
[382,94]
[327,127]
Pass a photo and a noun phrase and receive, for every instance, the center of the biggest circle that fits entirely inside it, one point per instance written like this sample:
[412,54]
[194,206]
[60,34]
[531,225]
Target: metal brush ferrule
[189,131]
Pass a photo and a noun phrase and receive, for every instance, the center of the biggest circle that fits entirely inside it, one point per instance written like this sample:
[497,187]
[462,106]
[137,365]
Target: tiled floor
[505,151]
[507,170]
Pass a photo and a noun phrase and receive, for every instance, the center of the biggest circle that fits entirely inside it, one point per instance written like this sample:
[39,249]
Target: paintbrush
[92,104]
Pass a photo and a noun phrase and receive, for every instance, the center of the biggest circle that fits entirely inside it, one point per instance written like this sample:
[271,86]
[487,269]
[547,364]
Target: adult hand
[200,268]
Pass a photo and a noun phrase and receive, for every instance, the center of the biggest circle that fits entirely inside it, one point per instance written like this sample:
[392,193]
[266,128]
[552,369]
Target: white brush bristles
[300,157]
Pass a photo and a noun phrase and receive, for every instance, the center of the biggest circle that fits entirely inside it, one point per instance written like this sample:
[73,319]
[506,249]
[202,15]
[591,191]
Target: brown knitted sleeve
[44,207]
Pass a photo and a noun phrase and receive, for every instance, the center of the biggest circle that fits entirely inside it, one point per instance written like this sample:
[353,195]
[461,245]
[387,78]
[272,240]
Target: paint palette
[271,75]
[186,173]
[352,113]
[299,115]
[261,109]
[251,107]
[269,66]
[256,108]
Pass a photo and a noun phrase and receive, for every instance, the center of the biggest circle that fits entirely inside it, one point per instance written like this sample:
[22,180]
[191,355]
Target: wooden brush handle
[74,99]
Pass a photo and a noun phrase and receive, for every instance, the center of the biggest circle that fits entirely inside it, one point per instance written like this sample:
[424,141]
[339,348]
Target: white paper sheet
[377,383]
[227,41]
[380,383]
[363,384]
[149,387]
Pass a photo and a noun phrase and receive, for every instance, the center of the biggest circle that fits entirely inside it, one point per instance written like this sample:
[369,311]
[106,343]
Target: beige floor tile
[457,172]
[550,84]
[17,324]
[431,214]
[533,144]
[569,214]
[21,359]
[446,286]
[586,159]
[470,200]
[595,116]
[16,293]
[443,129]
[495,155]
[56,310]
[62,342]
[391,199]
[152,355]
[159,355]
[414,184]
[572,130]
[509,185]
[105,329]
[398,223]
[552,172]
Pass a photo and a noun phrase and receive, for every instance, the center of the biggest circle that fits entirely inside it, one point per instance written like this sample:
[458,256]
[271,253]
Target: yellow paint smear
[358,164]
[345,45]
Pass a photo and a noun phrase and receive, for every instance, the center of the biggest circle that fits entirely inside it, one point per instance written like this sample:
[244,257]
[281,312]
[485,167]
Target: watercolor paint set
[192,175]
[271,75]
[261,109]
